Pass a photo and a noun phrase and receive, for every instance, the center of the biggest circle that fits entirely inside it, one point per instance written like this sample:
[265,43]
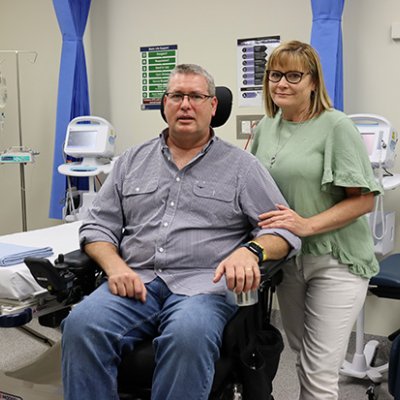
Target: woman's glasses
[290,76]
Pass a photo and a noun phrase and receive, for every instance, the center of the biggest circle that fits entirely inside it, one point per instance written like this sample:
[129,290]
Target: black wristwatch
[256,249]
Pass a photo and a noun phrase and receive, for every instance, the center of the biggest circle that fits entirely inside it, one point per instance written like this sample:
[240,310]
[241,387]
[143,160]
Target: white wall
[27,25]
[206,33]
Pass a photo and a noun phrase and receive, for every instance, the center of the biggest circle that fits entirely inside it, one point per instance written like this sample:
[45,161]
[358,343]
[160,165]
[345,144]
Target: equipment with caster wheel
[380,139]
[373,392]
[386,285]
[361,367]
[92,139]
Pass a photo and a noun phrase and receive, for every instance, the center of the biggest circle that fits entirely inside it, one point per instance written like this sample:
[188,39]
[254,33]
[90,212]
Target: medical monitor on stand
[380,140]
[379,137]
[91,139]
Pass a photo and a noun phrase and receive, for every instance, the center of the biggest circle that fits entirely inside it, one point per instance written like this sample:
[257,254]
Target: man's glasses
[290,76]
[194,98]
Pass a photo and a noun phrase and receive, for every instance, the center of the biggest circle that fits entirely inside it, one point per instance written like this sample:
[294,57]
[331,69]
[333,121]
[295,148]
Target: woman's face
[291,98]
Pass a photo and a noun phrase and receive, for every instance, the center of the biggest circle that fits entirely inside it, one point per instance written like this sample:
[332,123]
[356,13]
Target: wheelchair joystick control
[242,299]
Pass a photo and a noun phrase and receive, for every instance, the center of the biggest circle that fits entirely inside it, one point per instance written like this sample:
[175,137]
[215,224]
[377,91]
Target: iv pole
[21,165]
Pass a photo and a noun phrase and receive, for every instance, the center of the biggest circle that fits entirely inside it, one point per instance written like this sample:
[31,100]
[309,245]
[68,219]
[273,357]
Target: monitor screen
[82,140]
[369,138]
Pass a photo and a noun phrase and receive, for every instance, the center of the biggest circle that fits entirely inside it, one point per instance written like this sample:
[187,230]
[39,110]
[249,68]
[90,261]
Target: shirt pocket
[213,201]
[214,191]
[140,199]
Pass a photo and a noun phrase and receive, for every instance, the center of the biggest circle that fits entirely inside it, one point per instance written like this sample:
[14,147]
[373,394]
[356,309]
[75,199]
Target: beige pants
[320,301]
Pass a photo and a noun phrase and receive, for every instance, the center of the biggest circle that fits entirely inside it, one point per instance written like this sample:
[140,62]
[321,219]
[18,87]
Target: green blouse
[312,162]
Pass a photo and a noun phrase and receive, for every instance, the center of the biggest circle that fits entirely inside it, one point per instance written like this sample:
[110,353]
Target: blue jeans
[187,330]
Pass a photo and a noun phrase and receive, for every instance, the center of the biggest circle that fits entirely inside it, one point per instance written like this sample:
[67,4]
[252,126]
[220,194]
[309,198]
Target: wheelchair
[251,346]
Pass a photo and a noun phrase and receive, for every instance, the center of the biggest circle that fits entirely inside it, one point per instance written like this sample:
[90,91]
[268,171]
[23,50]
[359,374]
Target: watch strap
[256,249]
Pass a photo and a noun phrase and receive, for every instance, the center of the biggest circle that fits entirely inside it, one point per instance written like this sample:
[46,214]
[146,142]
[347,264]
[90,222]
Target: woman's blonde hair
[303,56]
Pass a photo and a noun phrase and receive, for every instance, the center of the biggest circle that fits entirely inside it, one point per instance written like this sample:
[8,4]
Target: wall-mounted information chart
[157,63]
[252,56]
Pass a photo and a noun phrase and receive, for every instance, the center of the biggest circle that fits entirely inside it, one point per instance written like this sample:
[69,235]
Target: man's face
[187,116]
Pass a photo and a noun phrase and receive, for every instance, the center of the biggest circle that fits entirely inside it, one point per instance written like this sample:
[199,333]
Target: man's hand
[122,280]
[241,271]
[126,283]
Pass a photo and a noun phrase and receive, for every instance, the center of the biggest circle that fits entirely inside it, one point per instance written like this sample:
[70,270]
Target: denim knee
[80,323]
[198,323]
[191,337]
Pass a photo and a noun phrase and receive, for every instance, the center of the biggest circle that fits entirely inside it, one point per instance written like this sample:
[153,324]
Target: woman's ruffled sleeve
[346,162]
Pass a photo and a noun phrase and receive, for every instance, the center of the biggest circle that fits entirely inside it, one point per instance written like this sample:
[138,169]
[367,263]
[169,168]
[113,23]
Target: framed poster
[252,56]
[156,64]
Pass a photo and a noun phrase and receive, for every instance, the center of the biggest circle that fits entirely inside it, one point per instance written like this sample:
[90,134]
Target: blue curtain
[326,38]
[73,97]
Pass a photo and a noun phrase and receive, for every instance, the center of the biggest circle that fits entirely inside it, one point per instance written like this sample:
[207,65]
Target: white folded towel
[11,254]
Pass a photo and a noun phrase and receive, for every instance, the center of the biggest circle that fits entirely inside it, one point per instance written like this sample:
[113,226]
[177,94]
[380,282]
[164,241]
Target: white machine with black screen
[91,139]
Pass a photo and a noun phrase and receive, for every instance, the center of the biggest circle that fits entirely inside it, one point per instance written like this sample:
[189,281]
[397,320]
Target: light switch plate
[245,125]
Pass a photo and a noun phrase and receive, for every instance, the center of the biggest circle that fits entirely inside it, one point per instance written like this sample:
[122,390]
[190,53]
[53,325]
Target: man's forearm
[275,246]
[106,255]
[122,280]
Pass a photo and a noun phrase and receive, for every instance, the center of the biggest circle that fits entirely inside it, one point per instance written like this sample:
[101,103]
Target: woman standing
[317,158]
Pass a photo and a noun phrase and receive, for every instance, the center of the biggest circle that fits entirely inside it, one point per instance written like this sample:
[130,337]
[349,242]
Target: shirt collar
[206,147]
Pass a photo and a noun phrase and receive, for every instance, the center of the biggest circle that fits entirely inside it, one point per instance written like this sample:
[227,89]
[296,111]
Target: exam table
[21,298]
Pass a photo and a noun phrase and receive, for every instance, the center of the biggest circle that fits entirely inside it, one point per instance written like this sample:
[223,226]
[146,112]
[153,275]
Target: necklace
[280,147]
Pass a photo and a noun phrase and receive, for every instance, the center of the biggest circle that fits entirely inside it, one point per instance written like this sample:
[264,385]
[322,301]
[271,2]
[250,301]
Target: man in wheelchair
[174,217]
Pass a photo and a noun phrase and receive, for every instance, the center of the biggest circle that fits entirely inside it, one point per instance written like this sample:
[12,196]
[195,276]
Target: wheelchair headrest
[224,107]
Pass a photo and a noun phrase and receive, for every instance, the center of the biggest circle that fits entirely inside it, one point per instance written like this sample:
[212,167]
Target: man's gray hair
[196,70]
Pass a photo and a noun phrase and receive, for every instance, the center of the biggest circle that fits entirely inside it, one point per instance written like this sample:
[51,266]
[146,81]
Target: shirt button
[178,179]
[137,189]
[165,224]
[161,249]
[159,269]
[172,204]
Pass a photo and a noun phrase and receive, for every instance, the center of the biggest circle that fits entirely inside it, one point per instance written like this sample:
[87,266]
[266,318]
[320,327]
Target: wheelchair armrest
[271,273]
[47,276]
[75,260]
[72,276]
